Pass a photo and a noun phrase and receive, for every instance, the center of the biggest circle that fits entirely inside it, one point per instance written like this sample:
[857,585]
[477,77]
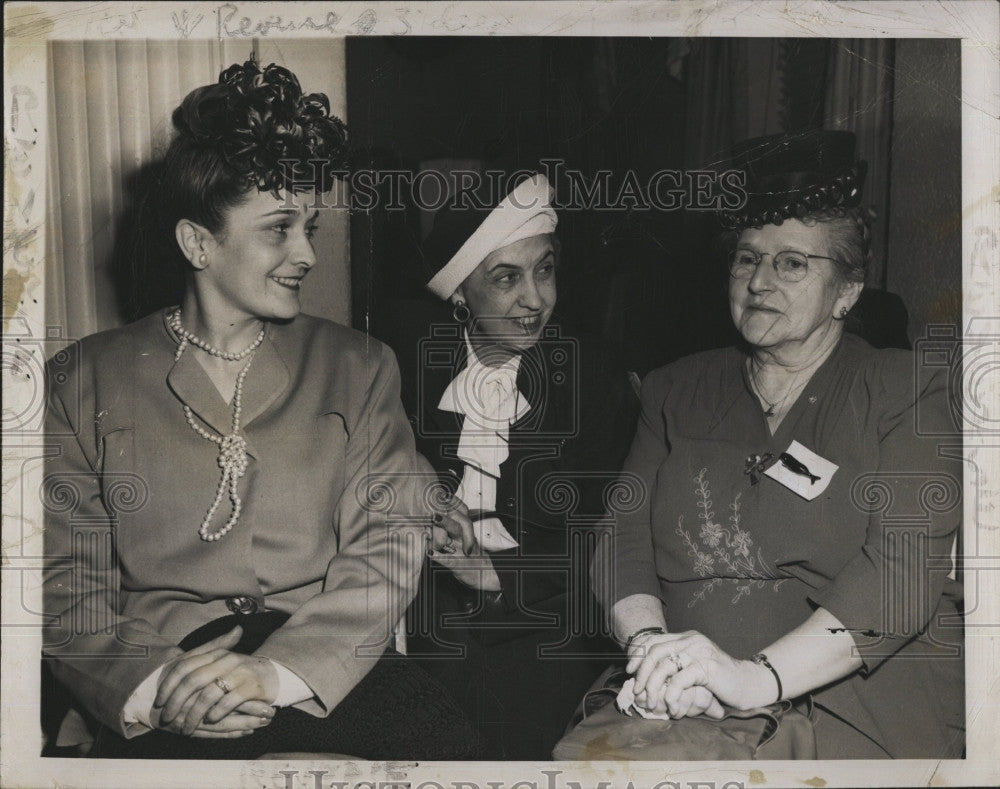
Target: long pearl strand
[233,447]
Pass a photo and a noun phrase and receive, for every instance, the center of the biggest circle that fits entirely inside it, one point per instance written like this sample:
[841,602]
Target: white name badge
[802,471]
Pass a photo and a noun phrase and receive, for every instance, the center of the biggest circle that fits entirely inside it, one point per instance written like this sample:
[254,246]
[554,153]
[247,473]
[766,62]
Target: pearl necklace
[186,337]
[233,447]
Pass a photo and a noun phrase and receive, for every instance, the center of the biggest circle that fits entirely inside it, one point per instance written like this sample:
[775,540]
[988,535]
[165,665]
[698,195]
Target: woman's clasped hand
[212,692]
[686,674]
[452,530]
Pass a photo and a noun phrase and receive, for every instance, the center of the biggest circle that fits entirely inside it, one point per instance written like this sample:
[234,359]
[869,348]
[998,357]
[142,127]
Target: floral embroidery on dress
[724,548]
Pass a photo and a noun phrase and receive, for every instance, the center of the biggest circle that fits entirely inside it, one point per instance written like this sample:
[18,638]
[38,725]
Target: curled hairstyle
[850,238]
[849,231]
[254,129]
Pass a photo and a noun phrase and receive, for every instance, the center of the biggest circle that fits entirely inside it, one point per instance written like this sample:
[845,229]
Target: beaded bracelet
[761,659]
[641,632]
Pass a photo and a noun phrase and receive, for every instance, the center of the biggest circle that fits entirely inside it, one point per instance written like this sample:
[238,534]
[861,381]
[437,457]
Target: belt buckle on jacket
[243,604]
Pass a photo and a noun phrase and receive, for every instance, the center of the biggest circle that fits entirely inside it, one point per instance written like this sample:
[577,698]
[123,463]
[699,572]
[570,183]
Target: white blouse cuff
[136,713]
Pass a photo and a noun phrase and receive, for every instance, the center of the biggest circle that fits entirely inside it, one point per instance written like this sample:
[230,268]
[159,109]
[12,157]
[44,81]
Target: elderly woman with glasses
[799,519]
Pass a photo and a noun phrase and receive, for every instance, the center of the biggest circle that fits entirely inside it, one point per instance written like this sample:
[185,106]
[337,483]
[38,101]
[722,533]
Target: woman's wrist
[634,613]
[760,685]
[643,631]
[762,660]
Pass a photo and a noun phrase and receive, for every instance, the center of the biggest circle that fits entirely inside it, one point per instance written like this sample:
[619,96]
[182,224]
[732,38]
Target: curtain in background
[733,94]
[109,112]
[859,98]
[743,88]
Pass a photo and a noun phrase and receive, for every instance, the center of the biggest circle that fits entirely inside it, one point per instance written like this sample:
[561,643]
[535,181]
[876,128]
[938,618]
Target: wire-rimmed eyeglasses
[788,265]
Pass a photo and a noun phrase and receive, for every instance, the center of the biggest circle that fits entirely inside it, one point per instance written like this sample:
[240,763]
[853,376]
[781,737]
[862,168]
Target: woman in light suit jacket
[236,514]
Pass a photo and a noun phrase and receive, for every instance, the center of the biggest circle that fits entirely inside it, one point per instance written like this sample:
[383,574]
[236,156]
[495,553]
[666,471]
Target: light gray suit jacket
[333,513]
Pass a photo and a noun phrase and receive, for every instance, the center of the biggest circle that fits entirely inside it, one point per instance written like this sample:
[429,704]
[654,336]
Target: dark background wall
[925,224]
[648,281]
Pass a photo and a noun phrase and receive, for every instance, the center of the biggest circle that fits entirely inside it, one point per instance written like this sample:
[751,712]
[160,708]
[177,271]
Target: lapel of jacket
[265,381]
[533,381]
[436,380]
[443,428]
[192,386]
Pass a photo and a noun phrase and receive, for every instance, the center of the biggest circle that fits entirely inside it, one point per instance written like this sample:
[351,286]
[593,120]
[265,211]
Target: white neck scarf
[489,399]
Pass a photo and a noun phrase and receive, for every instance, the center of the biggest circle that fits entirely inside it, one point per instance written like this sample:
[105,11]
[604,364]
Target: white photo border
[28,27]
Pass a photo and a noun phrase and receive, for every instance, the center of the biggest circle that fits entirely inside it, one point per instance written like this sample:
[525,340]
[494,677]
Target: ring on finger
[674,658]
[224,685]
[448,547]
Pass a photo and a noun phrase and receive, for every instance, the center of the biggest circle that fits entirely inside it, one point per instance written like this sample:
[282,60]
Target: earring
[460,312]
[202,259]
[843,313]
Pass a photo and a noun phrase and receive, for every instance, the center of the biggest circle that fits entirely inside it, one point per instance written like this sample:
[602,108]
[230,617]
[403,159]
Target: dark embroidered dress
[746,563]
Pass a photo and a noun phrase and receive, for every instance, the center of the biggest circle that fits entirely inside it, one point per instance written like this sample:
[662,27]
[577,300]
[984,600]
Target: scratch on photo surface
[27,23]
